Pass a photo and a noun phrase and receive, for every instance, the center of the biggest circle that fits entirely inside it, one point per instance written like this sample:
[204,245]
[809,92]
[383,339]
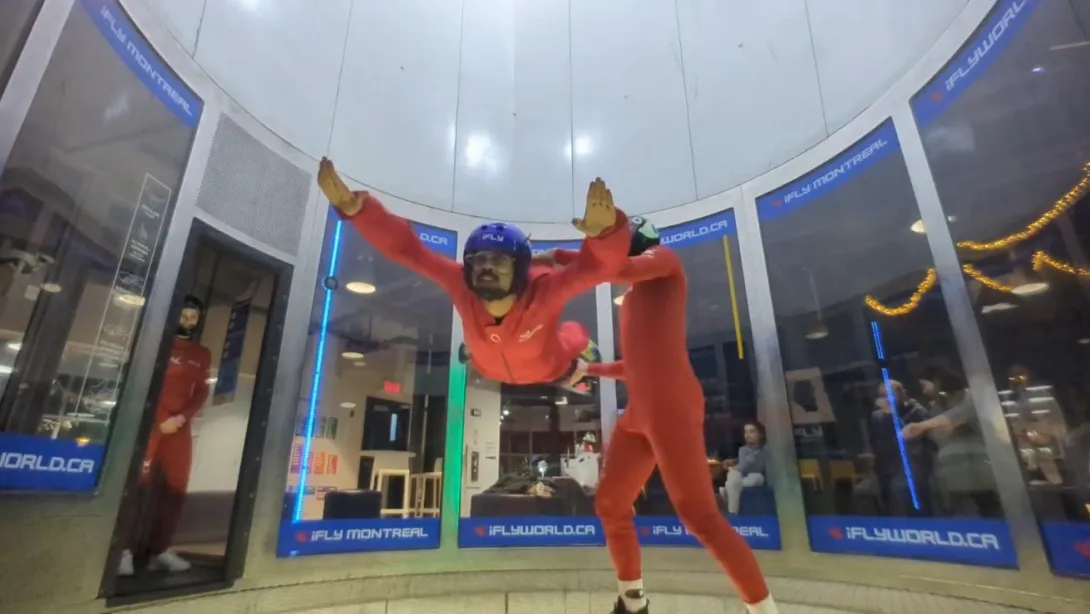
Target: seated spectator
[749,470]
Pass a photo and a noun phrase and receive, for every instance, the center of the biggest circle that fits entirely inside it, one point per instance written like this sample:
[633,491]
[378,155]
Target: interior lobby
[218,395]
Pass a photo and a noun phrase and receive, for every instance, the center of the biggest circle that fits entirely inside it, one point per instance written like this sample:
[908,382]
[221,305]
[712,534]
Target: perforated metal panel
[252,189]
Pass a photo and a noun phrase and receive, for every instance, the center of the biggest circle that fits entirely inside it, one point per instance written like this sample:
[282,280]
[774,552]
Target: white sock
[764,606]
[632,595]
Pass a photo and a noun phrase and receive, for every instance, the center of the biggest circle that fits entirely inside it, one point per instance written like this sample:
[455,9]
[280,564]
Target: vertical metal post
[970,344]
[773,406]
[607,388]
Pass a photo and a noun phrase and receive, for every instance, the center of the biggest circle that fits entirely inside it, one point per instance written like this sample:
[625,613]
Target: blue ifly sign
[438,240]
[760,532]
[133,49]
[700,230]
[366,535]
[41,463]
[986,46]
[530,532]
[831,175]
[1068,547]
[971,541]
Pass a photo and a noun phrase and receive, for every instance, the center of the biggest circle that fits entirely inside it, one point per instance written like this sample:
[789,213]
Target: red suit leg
[174,457]
[628,464]
[679,451]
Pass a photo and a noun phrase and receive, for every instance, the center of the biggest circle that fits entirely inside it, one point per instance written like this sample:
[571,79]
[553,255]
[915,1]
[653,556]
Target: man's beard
[489,290]
[490,293]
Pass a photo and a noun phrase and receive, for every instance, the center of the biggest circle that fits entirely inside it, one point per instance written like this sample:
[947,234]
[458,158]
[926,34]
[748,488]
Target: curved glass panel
[869,356]
[85,199]
[532,453]
[366,466]
[1007,134]
[720,350]
[16,19]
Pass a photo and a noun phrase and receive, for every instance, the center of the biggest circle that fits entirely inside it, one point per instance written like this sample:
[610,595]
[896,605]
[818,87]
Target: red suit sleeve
[652,264]
[564,257]
[614,370]
[394,238]
[200,387]
[598,260]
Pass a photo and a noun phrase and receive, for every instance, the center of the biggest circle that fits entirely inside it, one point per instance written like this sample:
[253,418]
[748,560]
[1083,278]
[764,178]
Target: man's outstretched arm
[613,370]
[602,253]
[390,235]
[655,262]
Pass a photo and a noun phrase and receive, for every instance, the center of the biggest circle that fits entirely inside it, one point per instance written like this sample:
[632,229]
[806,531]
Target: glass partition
[1007,135]
[366,466]
[532,454]
[720,350]
[85,199]
[868,355]
[16,18]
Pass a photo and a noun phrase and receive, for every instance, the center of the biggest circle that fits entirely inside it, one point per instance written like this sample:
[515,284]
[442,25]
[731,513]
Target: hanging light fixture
[363,276]
[1024,282]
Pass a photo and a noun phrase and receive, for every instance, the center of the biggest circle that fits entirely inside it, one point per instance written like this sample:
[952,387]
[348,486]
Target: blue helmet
[502,238]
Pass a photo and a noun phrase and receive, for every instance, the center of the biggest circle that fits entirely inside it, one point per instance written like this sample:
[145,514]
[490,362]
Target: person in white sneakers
[170,447]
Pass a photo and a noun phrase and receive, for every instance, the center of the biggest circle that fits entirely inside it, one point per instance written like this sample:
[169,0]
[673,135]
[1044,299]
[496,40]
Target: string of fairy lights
[1039,261]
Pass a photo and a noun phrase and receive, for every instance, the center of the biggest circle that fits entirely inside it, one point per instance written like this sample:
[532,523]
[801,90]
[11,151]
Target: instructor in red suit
[170,448]
[510,311]
[664,425]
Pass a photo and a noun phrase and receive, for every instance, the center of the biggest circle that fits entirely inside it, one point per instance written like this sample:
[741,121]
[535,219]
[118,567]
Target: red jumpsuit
[664,424]
[185,388]
[529,346]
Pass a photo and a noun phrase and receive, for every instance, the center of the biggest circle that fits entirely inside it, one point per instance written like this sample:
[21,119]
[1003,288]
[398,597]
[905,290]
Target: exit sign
[389,386]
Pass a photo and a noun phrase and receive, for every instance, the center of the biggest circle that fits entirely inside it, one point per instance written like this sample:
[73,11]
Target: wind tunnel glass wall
[870,362]
[16,18]
[532,454]
[1006,128]
[85,199]
[720,351]
[365,472]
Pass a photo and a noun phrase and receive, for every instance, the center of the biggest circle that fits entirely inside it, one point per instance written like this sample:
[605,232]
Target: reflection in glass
[370,431]
[1016,194]
[534,450]
[16,19]
[84,201]
[868,351]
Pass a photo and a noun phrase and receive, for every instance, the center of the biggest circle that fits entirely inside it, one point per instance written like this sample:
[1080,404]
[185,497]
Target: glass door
[185,525]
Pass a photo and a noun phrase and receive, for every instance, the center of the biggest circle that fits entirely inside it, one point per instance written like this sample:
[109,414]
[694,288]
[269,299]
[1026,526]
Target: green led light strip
[450,512]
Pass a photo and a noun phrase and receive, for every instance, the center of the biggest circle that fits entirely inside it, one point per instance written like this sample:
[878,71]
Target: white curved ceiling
[507,108]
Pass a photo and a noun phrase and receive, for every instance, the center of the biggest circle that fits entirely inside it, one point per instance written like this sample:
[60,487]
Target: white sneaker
[766,606]
[125,567]
[169,561]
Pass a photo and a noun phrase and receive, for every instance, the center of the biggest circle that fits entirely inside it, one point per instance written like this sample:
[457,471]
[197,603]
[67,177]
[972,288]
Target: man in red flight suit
[510,311]
[663,424]
[170,447]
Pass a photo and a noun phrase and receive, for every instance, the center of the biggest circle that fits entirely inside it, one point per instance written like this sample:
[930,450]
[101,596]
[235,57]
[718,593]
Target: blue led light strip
[316,380]
[877,340]
[892,400]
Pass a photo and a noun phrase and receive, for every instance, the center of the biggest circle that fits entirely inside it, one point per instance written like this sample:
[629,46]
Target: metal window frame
[30,67]
[1013,491]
